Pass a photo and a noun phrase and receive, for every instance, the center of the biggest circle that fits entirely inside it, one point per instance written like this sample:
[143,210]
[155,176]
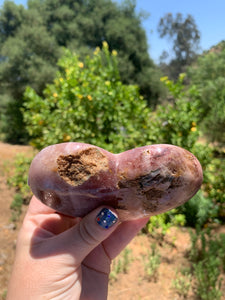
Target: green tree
[84,25]
[88,103]
[185,36]
[10,20]
[207,77]
[27,56]
[32,39]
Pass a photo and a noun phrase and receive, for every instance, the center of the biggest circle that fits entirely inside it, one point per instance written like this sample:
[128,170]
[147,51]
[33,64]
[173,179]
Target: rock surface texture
[75,178]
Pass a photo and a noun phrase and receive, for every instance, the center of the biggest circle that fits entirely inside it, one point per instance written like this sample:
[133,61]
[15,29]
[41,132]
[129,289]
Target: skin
[60,257]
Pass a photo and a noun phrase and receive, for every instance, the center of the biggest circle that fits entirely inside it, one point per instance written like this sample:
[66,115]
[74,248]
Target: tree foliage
[88,103]
[32,39]
[84,25]
[207,78]
[27,56]
[185,37]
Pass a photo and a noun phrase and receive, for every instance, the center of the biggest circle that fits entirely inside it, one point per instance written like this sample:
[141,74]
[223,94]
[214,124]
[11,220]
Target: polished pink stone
[75,178]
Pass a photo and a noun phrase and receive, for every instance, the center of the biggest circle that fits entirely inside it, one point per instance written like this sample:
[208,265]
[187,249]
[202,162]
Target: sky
[209,17]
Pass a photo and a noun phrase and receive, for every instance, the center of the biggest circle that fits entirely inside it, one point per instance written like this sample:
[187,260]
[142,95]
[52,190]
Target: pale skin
[60,257]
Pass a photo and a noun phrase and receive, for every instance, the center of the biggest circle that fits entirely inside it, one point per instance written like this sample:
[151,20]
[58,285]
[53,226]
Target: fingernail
[106,218]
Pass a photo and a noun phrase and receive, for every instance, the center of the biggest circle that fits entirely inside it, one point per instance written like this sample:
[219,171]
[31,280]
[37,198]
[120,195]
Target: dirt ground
[131,282]
[8,230]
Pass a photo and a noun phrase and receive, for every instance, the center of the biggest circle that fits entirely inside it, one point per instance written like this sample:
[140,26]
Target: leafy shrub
[18,180]
[121,264]
[207,254]
[213,123]
[176,89]
[181,121]
[151,263]
[88,103]
[207,275]
[158,225]
[177,123]
[16,206]
[198,210]
[207,77]
[12,124]
[209,204]
[182,284]
[215,185]
[178,120]
[20,177]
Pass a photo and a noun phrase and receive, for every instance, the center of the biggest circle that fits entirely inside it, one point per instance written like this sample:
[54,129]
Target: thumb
[94,228]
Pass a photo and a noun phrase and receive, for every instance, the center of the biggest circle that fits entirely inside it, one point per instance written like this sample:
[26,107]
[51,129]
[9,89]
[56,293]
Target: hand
[59,257]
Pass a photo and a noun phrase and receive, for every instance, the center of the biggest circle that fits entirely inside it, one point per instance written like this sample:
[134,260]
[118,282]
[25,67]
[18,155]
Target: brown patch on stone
[123,184]
[140,182]
[176,167]
[75,169]
[151,202]
[145,182]
[148,186]
[177,182]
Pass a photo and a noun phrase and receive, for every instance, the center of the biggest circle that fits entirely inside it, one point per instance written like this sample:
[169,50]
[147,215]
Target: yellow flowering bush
[177,120]
[88,103]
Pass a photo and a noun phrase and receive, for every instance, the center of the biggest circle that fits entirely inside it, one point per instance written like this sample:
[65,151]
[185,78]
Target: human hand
[59,257]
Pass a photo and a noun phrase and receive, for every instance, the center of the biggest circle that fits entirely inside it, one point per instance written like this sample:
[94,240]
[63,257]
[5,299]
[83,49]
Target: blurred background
[119,75]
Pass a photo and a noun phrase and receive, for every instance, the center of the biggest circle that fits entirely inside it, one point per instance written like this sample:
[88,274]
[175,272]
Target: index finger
[122,236]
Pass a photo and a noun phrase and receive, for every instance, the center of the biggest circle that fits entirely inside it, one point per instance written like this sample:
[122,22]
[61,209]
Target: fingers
[43,217]
[122,236]
[82,238]
[114,244]
[91,231]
